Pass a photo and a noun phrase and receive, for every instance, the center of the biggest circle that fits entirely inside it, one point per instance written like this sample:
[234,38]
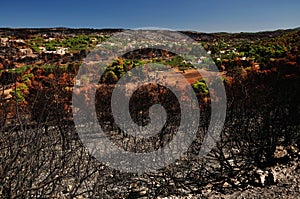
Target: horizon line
[152,28]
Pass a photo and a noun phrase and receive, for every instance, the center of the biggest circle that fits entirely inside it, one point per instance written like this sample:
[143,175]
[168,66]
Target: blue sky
[204,16]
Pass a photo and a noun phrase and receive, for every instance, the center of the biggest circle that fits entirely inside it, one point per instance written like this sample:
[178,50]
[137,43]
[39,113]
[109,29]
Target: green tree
[110,77]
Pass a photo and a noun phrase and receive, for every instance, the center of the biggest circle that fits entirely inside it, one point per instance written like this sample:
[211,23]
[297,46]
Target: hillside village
[67,48]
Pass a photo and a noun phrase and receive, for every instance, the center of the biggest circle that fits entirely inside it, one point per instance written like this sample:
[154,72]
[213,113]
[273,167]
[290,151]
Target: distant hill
[25,32]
